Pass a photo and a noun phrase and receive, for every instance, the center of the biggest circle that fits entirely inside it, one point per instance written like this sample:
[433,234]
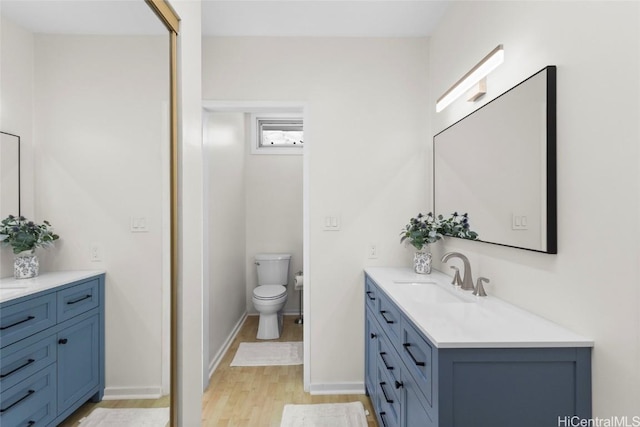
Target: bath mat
[268,354]
[324,415]
[127,417]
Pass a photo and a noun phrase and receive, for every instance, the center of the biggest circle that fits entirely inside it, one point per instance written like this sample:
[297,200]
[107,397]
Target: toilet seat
[269,292]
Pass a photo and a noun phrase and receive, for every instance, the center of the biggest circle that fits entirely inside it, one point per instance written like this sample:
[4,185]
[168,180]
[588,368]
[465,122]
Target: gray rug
[268,354]
[324,415]
[127,417]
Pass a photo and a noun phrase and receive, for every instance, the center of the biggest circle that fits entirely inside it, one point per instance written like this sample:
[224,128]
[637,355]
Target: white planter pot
[25,265]
[422,261]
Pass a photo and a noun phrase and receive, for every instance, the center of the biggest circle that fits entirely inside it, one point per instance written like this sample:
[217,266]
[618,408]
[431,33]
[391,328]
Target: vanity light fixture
[477,91]
[475,75]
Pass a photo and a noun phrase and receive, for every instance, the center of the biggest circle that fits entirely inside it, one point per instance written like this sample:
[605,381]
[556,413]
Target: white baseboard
[215,361]
[337,388]
[129,393]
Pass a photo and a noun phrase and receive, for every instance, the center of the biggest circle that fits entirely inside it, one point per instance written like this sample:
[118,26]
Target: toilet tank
[273,269]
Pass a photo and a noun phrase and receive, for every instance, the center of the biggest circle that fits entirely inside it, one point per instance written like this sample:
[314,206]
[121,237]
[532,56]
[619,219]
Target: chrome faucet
[479,290]
[467,280]
[457,280]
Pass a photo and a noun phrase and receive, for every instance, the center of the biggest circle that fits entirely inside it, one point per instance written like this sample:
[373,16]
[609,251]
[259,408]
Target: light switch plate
[139,224]
[331,223]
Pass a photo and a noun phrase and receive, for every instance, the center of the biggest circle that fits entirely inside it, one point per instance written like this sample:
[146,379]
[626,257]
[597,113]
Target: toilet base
[270,326]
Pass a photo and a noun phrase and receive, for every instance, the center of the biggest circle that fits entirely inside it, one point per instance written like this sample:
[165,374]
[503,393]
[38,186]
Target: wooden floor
[245,396]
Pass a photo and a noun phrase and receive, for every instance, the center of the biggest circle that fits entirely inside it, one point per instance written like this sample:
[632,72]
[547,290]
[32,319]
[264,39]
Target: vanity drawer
[388,316]
[386,416]
[417,354]
[387,357]
[26,318]
[371,294]
[78,299]
[21,360]
[32,402]
[388,397]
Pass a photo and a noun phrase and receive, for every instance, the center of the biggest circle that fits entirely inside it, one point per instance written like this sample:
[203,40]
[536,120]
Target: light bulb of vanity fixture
[477,73]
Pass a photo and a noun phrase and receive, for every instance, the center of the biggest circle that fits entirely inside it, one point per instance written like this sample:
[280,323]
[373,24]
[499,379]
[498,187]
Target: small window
[277,134]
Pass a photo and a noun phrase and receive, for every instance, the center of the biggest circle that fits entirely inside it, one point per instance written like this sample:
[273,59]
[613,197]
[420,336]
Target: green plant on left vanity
[25,235]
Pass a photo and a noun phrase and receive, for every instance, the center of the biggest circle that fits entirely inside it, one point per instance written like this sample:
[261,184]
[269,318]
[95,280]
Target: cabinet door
[78,361]
[370,352]
[415,413]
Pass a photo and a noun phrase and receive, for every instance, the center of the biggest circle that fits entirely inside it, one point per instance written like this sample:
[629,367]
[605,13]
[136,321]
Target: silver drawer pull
[29,393]
[17,323]
[24,365]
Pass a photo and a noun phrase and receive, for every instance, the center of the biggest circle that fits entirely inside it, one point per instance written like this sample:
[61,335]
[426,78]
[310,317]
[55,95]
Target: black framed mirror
[9,174]
[498,164]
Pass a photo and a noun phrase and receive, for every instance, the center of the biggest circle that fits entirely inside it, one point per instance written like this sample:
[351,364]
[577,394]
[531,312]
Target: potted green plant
[24,236]
[426,229]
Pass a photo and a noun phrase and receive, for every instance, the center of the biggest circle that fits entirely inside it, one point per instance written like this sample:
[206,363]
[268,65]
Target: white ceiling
[83,16]
[321,18]
[358,18]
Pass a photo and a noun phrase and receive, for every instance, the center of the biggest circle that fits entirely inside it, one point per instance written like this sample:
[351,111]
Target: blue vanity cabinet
[397,398]
[49,371]
[413,383]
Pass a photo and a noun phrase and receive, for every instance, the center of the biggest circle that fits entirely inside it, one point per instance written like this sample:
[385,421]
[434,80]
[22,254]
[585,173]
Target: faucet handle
[457,280]
[479,290]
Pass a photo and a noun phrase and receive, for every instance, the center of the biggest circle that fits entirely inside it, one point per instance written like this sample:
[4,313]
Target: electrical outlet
[95,253]
[372,251]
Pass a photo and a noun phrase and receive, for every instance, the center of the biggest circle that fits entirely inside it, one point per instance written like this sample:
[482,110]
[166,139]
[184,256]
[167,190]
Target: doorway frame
[165,12]
[274,106]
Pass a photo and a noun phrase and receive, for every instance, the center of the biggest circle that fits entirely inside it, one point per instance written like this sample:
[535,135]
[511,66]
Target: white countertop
[11,288]
[452,318]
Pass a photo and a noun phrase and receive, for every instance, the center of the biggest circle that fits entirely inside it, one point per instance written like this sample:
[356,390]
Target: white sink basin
[428,292]
[414,282]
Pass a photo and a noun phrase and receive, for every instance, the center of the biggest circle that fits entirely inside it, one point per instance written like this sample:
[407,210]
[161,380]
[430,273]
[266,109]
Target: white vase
[26,265]
[422,261]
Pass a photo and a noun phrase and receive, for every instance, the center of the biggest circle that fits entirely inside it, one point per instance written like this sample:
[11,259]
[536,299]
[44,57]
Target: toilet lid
[269,291]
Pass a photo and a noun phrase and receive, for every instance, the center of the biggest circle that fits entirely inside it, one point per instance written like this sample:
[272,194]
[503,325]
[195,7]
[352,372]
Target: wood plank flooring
[245,396]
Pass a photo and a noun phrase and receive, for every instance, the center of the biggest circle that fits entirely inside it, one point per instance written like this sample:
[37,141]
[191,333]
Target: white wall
[224,153]
[591,285]
[16,113]
[99,135]
[365,138]
[274,215]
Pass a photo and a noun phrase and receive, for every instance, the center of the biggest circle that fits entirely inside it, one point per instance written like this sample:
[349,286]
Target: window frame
[257,148]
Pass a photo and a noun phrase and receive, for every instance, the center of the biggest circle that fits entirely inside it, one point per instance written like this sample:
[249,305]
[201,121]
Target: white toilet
[270,295]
